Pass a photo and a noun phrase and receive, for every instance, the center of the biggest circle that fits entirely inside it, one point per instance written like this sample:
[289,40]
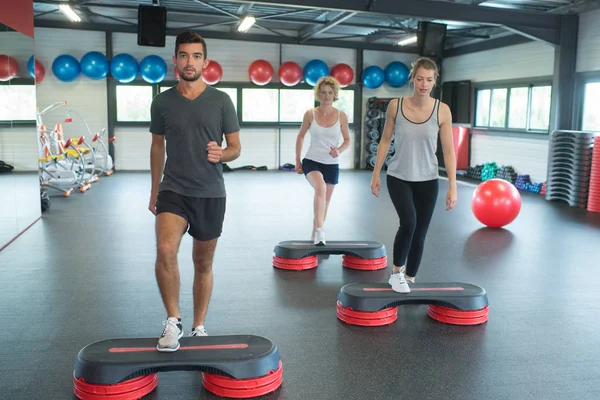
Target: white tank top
[322,140]
[416,144]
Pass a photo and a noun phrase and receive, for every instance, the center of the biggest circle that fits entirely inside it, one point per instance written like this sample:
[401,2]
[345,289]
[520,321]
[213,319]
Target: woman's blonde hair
[328,80]
[426,63]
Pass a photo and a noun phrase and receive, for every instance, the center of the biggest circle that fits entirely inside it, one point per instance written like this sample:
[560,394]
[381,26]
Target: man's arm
[157,165]
[233,149]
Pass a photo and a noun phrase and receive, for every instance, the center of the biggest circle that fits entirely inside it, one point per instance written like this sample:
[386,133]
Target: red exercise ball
[496,203]
[343,74]
[39,70]
[261,72]
[290,73]
[213,73]
[9,68]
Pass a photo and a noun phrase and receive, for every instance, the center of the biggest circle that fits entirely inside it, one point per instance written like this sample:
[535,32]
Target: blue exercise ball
[94,65]
[373,77]
[124,68]
[315,70]
[396,74]
[153,69]
[66,68]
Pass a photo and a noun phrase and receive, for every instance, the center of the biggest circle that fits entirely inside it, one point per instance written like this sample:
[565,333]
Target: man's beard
[188,78]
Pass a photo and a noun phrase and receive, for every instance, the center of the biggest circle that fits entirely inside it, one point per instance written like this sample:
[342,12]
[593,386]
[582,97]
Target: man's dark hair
[190,37]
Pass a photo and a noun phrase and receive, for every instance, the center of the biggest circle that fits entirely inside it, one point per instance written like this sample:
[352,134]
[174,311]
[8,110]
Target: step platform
[237,366]
[376,304]
[300,255]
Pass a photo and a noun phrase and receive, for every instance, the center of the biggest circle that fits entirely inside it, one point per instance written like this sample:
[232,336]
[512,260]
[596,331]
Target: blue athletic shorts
[331,172]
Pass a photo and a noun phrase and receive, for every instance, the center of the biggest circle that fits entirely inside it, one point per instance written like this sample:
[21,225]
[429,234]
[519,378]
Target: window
[517,113]
[17,102]
[133,103]
[260,105]
[520,108]
[591,112]
[294,103]
[346,104]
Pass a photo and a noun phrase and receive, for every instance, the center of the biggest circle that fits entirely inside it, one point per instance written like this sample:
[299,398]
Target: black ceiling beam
[228,35]
[430,9]
[548,36]
[489,44]
[311,32]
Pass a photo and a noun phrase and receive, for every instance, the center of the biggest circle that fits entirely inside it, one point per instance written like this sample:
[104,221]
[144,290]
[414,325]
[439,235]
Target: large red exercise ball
[290,73]
[36,69]
[9,68]
[315,70]
[373,77]
[396,74]
[153,69]
[260,72]
[496,203]
[343,74]
[94,65]
[66,68]
[124,68]
[213,73]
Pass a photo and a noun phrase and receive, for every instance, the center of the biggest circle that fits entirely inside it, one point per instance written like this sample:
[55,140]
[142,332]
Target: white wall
[520,61]
[528,156]
[588,51]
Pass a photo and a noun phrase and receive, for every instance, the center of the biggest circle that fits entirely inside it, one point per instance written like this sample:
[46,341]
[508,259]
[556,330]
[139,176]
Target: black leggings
[414,203]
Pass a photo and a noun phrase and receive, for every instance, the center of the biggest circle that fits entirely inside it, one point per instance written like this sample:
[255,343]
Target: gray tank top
[415,144]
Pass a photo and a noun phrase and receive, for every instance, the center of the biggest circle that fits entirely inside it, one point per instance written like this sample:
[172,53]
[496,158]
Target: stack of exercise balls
[124,68]
[290,73]
[395,74]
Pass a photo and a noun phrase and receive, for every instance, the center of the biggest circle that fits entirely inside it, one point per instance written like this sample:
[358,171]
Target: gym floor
[85,272]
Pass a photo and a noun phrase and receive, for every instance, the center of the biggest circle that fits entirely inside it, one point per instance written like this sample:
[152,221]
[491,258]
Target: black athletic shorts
[204,215]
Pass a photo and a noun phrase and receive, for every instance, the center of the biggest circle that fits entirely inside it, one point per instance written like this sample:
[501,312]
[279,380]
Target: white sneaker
[169,340]
[398,282]
[319,237]
[199,331]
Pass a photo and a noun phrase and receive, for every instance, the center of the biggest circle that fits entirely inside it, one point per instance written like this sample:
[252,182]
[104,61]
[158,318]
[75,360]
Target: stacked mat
[569,167]
[594,192]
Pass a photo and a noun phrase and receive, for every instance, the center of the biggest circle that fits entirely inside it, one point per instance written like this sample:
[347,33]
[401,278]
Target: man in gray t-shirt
[188,123]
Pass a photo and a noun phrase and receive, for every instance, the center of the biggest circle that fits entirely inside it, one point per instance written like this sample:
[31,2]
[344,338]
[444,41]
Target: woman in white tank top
[412,175]
[321,162]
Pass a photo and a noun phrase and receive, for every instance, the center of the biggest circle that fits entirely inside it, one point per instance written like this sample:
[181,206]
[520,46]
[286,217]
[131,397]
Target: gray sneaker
[198,331]
[169,340]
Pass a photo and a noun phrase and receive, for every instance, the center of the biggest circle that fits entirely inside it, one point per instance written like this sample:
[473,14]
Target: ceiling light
[68,11]
[409,40]
[246,23]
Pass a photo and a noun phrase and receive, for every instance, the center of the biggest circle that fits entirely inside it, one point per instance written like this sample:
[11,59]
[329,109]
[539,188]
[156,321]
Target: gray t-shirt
[188,126]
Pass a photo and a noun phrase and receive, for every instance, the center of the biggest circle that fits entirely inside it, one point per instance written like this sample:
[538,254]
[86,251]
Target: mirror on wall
[20,204]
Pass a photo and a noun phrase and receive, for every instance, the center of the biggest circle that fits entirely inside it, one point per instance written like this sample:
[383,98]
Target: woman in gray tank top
[412,175]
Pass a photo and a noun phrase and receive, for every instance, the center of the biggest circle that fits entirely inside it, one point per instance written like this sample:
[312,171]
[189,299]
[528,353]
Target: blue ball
[94,65]
[153,69]
[373,77]
[66,68]
[315,70]
[124,68]
[31,66]
[396,74]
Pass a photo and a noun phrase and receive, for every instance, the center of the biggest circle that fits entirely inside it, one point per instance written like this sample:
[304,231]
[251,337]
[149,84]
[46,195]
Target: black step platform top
[378,296]
[116,360]
[296,249]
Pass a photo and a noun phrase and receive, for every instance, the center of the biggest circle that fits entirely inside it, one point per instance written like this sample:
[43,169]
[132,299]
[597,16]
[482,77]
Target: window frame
[509,85]
[582,80]
[19,123]
[233,85]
